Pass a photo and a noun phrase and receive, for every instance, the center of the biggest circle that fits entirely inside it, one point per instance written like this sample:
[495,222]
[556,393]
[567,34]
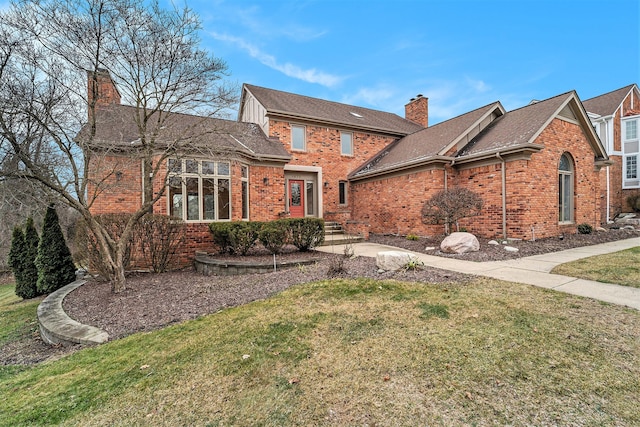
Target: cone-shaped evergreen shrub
[16,259]
[30,274]
[54,262]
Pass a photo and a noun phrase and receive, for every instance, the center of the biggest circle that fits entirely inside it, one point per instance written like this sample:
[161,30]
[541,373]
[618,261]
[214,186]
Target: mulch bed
[152,301]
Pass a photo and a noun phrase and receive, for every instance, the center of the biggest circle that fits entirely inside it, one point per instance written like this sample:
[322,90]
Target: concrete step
[340,239]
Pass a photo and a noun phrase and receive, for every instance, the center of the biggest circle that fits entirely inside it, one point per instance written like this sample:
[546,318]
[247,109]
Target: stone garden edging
[56,327]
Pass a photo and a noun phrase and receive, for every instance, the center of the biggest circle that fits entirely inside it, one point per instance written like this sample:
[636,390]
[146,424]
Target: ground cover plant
[622,268]
[355,352]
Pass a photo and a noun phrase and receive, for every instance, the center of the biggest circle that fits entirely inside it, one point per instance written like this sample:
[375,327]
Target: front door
[296,198]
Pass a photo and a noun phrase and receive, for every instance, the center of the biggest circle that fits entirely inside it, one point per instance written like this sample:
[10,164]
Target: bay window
[199,190]
[630,152]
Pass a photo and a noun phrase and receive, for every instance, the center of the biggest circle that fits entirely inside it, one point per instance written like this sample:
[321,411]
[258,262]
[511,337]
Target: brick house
[616,118]
[537,168]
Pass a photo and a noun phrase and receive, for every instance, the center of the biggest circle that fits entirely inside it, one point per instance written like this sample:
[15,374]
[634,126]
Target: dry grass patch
[357,352]
[622,268]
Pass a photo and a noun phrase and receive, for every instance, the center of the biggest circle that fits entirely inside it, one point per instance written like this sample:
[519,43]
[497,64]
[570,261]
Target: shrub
[220,234]
[273,236]
[16,261]
[306,233]
[54,262]
[236,237]
[449,206]
[412,237]
[634,202]
[30,274]
[585,229]
[158,237]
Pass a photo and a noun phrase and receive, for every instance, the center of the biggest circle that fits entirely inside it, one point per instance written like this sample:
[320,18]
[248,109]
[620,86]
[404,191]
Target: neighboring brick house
[616,118]
[537,168]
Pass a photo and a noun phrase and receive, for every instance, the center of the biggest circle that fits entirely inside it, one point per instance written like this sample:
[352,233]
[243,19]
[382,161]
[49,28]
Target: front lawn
[622,268]
[355,352]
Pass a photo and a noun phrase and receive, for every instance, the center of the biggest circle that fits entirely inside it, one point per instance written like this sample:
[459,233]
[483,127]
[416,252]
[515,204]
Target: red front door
[296,198]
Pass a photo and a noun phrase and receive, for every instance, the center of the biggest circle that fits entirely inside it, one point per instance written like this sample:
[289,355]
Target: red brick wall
[323,150]
[394,204]
[122,193]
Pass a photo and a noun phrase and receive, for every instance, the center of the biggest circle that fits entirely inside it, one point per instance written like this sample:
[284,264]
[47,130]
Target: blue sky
[462,54]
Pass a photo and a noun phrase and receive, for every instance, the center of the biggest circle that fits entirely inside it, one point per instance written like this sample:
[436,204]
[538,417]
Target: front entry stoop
[334,235]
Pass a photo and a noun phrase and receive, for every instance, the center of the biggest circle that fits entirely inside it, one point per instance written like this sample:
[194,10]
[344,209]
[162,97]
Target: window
[631,152]
[346,143]
[342,192]
[199,190]
[565,189]
[245,192]
[310,198]
[298,138]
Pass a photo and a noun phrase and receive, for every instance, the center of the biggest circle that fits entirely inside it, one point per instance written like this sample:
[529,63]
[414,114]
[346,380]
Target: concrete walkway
[533,270]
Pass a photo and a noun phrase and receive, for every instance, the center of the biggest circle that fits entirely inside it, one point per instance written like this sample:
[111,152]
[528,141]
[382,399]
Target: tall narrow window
[298,138]
[565,189]
[346,144]
[310,198]
[342,192]
[245,192]
[631,152]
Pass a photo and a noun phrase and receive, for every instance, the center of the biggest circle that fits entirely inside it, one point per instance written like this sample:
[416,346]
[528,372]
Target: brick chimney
[417,110]
[102,89]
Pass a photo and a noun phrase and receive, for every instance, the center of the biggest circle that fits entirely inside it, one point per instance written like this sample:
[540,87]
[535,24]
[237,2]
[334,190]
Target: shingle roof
[425,144]
[516,128]
[291,105]
[608,103]
[116,128]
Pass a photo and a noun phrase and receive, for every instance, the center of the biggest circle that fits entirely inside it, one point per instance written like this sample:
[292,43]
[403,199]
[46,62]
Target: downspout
[504,196]
[609,144]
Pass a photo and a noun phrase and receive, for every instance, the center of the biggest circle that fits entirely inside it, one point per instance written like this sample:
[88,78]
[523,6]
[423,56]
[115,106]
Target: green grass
[355,352]
[622,268]
[17,317]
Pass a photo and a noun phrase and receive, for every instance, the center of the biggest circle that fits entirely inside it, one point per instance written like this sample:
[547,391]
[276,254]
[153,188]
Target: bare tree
[50,129]
[449,206]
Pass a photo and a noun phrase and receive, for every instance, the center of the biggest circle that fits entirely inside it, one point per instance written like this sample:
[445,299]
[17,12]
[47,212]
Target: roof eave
[301,117]
[434,160]
[499,152]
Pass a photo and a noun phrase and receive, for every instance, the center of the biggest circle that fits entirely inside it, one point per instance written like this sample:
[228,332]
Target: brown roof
[516,128]
[284,104]
[427,144]
[607,104]
[116,128]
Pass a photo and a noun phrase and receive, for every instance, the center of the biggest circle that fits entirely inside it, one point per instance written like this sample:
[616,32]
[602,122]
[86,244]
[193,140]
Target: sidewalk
[533,270]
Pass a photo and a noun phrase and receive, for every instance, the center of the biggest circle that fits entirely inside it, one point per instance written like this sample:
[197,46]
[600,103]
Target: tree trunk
[118,281]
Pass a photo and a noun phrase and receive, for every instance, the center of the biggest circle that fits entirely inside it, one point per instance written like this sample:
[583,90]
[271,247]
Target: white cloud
[308,75]
[375,97]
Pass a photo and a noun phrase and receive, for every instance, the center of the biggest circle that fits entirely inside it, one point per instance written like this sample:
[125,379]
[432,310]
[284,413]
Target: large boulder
[460,243]
[393,260]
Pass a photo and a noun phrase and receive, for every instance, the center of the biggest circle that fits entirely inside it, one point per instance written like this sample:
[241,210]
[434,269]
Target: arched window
[565,189]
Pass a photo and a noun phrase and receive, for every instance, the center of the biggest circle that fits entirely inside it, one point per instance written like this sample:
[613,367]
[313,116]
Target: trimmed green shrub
[585,229]
[54,262]
[273,236]
[306,233]
[412,237]
[236,237]
[16,260]
[220,234]
[31,240]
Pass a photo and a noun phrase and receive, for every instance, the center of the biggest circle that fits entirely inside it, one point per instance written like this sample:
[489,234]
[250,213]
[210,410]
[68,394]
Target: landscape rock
[511,249]
[430,248]
[492,242]
[393,260]
[601,229]
[460,243]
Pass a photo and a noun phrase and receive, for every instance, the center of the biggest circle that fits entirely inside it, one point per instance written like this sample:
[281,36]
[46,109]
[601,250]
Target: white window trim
[627,155]
[304,137]
[351,154]
[571,174]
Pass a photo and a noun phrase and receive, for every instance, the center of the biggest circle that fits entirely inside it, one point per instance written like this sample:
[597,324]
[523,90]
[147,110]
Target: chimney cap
[419,95]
